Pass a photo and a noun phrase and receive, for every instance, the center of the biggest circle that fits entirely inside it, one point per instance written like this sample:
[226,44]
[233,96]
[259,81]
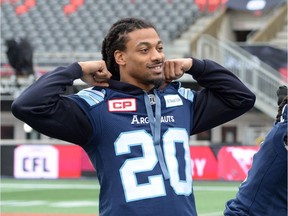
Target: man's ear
[120,57]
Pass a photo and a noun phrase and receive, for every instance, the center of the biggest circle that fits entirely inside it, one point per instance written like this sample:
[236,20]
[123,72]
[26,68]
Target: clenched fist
[95,73]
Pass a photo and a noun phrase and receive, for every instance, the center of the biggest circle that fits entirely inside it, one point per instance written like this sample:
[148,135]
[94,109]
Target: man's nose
[156,55]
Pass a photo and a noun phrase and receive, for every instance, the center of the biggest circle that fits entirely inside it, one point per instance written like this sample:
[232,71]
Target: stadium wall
[230,163]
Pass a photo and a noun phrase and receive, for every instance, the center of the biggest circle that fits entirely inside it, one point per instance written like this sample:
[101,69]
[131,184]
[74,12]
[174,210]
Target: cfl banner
[229,163]
[47,161]
[36,162]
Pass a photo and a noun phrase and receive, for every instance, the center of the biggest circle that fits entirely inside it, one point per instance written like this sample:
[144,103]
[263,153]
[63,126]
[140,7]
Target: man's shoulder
[187,93]
[91,96]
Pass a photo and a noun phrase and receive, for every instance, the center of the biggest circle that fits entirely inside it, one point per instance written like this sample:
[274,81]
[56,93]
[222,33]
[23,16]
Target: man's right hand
[95,73]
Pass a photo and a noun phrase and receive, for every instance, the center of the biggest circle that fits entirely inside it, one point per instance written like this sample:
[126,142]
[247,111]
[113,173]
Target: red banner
[204,163]
[234,162]
[86,164]
[69,161]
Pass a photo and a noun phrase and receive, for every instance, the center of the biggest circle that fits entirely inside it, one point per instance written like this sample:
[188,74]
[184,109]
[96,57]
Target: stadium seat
[54,20]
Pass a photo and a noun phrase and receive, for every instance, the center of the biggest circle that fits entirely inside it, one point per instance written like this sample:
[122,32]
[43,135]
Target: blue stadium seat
[84,29]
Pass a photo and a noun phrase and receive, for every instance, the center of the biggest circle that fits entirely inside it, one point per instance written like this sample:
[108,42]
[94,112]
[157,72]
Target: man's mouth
[156,68]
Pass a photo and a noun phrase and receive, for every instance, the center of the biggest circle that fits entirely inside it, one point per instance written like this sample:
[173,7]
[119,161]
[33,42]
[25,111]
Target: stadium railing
[261,78]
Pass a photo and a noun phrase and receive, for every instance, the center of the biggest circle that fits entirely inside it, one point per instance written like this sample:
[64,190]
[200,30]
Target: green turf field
[81,196]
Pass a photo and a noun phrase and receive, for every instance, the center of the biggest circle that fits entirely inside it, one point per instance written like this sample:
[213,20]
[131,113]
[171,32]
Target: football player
[264,192]
[135,121]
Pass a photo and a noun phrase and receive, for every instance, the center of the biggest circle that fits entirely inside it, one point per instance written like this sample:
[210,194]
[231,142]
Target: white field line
[97,187]
[47,186]
[68,204]
[215,188]
[59,204]
[12,187]
[212,214]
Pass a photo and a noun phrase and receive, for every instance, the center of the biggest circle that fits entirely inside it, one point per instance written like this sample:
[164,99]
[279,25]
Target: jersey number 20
[155,187]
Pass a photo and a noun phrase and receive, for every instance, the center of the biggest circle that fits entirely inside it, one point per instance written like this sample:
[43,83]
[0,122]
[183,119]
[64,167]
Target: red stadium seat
[21,9]
[30,3]
[73,6]
[284,73]
[77,3]
[210,5]
[69,9]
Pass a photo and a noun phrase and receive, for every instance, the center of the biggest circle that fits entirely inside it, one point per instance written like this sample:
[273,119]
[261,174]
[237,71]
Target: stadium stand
[80,25]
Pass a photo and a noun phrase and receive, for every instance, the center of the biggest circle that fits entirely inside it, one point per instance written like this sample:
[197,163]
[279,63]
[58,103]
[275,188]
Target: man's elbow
[250,101]
[244,102]
[18,110]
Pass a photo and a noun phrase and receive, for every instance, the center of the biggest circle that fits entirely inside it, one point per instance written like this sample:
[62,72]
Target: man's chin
[158,82]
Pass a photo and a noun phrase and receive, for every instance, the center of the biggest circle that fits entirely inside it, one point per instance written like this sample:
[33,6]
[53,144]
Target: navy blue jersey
[264,192]
[137,141]
[134,169]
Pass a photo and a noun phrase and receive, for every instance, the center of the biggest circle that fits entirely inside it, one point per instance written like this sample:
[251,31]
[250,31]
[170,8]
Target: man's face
[143,59]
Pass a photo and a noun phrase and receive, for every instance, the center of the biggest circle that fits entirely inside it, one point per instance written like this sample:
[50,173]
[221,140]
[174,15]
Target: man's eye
[160,49]
[144,50]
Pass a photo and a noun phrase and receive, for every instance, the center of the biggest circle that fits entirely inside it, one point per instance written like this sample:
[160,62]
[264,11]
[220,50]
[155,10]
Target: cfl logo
[36,161]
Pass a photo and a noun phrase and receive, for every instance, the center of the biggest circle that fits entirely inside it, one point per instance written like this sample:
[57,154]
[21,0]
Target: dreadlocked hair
[116,39]
[282,101]
[280,108]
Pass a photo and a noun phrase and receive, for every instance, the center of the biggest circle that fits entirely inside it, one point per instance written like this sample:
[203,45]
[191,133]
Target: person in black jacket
[135,121]
[20,56]
[264,191]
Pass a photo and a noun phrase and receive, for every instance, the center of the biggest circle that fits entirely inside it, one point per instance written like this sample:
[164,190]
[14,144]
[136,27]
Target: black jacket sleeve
[44,107]
[223,97]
